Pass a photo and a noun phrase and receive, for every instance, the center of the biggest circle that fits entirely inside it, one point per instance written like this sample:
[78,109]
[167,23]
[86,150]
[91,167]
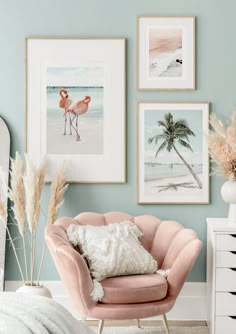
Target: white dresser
[221,276]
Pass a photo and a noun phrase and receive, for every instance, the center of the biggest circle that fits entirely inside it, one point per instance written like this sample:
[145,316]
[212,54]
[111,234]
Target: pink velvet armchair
[126,297]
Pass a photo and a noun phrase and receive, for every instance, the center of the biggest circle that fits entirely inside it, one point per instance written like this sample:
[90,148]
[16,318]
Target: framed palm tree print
[173,163]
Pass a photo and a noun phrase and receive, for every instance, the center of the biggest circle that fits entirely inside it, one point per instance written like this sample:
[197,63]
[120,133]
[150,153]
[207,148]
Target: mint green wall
[216,82]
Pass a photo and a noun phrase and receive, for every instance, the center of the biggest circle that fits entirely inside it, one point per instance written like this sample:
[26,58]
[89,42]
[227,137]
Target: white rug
[153,330]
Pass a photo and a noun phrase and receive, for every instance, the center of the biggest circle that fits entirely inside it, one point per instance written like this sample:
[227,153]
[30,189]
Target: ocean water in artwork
[75,110]
[166,65]
[174,168]
[165,53]
[155,171]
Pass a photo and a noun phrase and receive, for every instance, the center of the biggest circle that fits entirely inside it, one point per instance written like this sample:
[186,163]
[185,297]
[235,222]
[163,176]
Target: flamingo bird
[64,103]
[76,108]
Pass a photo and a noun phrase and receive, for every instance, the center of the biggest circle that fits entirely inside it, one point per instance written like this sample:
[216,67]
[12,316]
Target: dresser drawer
[226,303]
[226,242]
[226,280]
[226,259]
[225,325]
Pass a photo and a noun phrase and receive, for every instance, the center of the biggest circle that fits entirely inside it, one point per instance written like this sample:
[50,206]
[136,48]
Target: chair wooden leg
[165,323]
[100,326]
[83,319]
[139,324]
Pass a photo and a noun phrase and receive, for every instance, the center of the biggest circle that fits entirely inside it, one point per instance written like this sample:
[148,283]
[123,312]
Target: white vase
[36,290]
[228,193]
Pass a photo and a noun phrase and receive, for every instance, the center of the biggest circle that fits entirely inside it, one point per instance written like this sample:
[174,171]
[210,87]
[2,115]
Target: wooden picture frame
[75,107]
[172,159]
[166,53]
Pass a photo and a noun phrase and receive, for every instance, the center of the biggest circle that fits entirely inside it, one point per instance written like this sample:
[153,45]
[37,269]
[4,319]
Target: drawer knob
[233,235]
[232,317]
[233,293]
[233,252]
[234,269]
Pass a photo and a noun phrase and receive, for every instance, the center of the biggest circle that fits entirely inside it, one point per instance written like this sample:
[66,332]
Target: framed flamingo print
[173,164]
[166,53]
[75,107]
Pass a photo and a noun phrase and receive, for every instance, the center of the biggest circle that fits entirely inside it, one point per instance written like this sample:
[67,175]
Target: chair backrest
[158,236]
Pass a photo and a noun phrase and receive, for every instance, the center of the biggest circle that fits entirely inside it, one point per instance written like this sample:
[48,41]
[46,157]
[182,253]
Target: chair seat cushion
[134,289]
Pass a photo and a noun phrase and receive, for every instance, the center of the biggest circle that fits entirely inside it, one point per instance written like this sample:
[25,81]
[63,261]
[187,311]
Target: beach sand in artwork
[181,185]
[90,130]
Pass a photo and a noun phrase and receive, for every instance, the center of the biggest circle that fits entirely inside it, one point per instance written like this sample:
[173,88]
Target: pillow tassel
[98,293]
[163,273]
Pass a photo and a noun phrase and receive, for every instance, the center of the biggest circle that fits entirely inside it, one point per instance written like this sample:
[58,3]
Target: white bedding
[24,314]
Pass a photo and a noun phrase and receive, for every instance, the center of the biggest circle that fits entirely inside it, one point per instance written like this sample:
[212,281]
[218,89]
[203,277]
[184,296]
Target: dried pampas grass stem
[34,182]
[16,255]
[41,182]
[217,125]
[25,192]
[58,189]
[222,146]
[17,192]
[17,196]
[31,193]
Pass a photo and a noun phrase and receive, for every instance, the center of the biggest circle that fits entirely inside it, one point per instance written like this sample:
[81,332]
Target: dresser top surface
[220,225]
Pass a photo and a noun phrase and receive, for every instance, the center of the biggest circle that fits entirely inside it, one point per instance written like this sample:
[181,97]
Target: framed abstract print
[166,53]
[173,163]
[75,107]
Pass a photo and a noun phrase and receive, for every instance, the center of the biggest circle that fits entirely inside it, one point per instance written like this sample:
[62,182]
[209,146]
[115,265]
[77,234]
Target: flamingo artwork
[75,108]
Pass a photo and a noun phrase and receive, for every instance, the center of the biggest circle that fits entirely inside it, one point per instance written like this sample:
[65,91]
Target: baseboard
[190,305]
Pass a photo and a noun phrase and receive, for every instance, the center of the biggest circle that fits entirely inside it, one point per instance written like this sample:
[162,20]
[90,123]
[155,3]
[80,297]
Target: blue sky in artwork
[86,76]
[194,121]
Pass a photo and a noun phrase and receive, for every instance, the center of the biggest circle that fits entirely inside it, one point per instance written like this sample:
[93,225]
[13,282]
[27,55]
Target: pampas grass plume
[58,189]
[41,182]
[17,192]
[25,192]
[217,125]
[32,194]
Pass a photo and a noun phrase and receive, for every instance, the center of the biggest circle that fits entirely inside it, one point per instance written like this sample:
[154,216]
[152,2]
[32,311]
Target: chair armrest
[182,266]
[71,267]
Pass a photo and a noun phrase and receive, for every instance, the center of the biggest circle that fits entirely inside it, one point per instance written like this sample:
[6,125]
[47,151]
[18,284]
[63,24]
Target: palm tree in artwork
[173,133]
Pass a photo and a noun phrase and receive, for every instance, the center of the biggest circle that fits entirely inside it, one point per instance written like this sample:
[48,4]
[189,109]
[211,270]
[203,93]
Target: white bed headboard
[4,163]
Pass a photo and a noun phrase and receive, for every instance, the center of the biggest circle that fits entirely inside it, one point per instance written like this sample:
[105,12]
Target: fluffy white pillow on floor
[112,250]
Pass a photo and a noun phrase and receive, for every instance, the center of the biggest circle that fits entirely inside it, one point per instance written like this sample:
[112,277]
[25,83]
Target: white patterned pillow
[112,250]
